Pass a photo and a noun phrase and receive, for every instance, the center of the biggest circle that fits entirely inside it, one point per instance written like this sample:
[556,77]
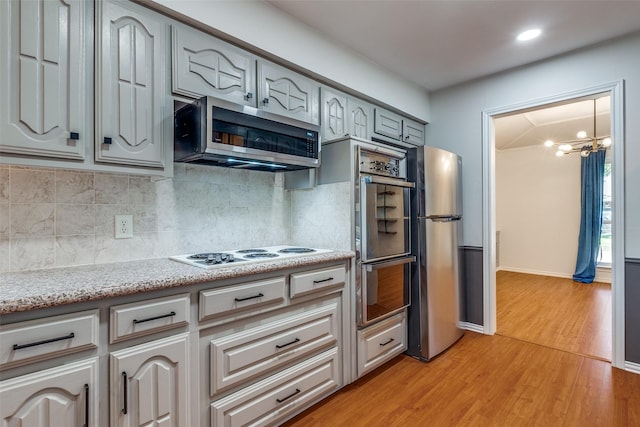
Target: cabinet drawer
[247,354]
[303,283]
[281,395]
[40,339]
[241,298]
[381,342]
[147,317]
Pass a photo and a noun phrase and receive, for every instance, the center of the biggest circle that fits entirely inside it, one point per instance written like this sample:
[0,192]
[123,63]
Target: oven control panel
[381,164]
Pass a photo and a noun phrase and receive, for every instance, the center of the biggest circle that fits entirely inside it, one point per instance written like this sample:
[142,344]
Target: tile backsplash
[57,217]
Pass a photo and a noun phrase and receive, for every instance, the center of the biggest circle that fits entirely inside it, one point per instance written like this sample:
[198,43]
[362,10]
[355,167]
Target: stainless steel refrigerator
[436,212]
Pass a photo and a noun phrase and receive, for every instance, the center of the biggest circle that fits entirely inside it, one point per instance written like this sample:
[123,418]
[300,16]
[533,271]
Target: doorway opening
[538,198]
[611,316]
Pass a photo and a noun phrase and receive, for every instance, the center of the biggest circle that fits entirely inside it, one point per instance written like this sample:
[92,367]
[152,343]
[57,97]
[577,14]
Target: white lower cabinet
[276,397]
[381,342]
[240,356]
[149,384]
[62,396]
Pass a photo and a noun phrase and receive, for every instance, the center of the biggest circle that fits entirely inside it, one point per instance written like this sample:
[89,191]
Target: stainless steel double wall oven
[383,244]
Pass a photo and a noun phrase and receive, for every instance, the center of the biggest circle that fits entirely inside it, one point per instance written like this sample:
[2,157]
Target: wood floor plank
[555,312]
[486,381]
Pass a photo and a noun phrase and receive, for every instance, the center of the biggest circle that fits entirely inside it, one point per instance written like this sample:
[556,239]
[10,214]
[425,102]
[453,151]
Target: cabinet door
[359,118]
[387,124]
[206,66]
[62,396]
[412,132]
[334,114]
[44,78]
[282,91]
[130,101]
[149,384]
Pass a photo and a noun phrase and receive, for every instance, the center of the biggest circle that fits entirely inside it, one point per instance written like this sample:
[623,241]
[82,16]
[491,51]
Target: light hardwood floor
[555,312]
[486,381]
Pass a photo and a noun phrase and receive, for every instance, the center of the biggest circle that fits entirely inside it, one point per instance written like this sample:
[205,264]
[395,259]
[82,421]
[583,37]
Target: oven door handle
[371,179]
[382,264]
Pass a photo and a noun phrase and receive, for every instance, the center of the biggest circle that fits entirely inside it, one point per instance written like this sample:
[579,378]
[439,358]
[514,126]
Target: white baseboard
[632,367]
[472,327]
[601,276]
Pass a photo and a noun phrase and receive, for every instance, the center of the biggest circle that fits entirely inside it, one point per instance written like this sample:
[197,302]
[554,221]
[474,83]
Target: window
[605,237]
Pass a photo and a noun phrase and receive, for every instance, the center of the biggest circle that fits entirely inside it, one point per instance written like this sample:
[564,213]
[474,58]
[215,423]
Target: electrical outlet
[124,226]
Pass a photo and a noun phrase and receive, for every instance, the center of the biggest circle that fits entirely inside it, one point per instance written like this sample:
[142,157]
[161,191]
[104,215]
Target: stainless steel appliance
[381,222]
[434,314]
[228,258]
[212,131]
[382,229]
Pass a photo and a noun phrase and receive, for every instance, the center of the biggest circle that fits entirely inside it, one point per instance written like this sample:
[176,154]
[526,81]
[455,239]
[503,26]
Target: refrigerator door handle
[377,265]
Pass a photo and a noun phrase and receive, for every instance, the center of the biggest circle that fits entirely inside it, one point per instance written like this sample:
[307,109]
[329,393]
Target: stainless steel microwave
[211,131]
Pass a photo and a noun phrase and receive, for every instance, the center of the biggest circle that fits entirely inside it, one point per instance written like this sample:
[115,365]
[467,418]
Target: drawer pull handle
[125,393]
[33,344]
[382,344]
[149,319]
[288,397]
[260,295]
[86,405]
[323,280]
[287,344]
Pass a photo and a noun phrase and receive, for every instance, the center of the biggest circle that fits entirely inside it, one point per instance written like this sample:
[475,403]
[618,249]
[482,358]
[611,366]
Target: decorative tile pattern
[67,217]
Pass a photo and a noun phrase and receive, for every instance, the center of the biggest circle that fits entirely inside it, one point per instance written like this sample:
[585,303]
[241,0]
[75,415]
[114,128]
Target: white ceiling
[439,43]
[559,123]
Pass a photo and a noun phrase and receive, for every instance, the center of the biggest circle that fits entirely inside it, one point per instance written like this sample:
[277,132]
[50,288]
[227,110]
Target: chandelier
[584,145]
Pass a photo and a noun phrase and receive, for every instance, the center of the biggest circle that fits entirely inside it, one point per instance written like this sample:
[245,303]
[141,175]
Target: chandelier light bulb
[584,153]
[548,143]
[559,153]
[565,148]
[581,134]
[606,142]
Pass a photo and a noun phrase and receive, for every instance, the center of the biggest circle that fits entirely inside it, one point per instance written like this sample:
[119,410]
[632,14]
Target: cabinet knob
[249,95]
[406,137]
[74,135]
[107,140]
[265,101]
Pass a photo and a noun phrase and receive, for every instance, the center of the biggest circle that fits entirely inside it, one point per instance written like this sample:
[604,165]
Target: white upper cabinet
[334,114]
[344,115]
[392,126]
[388,124]
[413,132]
[359,118]
[204,65]
[130,90]
[284,92]
[44,76]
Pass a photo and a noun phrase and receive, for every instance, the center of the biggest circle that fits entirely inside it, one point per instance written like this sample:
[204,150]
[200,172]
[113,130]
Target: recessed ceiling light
[529,34]
[548,143]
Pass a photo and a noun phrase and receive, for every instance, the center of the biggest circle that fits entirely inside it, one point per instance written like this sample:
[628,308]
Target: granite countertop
[29,290]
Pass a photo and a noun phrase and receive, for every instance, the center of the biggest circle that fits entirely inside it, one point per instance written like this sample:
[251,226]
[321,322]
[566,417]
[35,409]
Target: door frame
[616,91]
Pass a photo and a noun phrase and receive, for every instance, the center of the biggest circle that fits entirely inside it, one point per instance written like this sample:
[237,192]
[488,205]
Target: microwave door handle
[382,264]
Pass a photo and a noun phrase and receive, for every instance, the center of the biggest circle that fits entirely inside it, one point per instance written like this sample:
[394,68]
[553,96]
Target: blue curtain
[591,216]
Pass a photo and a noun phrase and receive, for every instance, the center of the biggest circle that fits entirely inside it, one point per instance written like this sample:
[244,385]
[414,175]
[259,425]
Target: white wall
[538,210]
[265,27]
[456,118]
